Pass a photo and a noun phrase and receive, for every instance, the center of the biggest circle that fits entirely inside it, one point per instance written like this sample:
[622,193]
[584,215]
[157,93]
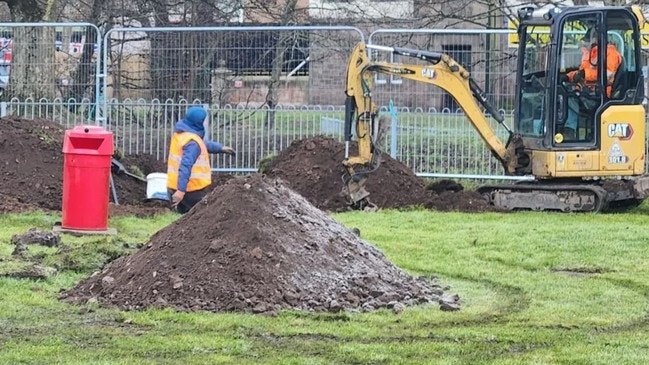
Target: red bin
[87,152]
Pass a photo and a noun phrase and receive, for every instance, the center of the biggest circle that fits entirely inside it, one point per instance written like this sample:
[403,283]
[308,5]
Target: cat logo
[623,131]
[428,73]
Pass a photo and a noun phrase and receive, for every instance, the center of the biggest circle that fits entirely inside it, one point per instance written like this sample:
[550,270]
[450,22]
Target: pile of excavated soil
[32,164]
[313,168]
[31,170]
[254,245]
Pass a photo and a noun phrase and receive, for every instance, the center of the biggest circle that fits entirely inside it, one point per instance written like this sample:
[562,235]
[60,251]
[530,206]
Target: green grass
[536,288]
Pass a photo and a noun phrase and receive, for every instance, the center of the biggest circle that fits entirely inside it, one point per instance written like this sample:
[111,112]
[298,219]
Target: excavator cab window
[623,83]
[531,118]
[565,83]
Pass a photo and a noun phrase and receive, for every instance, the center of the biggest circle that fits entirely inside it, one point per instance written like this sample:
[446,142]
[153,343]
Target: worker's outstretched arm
[213,147]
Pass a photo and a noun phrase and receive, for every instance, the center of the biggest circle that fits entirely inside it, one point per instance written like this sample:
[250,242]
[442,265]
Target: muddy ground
[31,171]
[312,167]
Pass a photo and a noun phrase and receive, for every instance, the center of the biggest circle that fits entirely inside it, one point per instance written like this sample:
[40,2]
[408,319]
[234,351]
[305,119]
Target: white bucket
[156,186]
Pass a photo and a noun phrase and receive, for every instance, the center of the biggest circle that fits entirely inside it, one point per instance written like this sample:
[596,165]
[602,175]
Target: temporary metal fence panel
[488,54]
[50,70]
[248,78]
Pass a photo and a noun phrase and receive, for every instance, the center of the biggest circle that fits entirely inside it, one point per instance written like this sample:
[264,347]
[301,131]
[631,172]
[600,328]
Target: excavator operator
[586,77]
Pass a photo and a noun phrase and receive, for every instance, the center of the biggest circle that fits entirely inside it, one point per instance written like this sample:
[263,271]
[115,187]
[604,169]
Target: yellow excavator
[581,143]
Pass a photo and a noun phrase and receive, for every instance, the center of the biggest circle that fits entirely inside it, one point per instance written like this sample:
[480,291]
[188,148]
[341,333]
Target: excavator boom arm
[443,72]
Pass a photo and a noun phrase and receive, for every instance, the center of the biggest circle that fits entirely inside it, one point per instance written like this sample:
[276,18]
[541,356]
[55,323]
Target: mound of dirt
[313,168]
[254,245]
[32,162]
[31,172]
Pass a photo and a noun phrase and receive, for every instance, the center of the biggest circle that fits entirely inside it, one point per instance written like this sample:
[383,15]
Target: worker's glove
[579,76]
[229,150]
[563,78]
[176,198]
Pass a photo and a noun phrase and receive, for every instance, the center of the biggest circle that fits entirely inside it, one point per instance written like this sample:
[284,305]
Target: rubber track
[537,190]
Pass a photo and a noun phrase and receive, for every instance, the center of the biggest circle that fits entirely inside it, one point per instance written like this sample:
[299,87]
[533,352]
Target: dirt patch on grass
[144,210]
[256,243]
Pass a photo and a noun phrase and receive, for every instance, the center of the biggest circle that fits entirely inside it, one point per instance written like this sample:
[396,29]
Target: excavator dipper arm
[442,71]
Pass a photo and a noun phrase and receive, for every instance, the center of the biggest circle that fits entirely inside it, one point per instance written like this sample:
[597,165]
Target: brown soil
[313,168]
[34,237]
[31,170]
[254,245]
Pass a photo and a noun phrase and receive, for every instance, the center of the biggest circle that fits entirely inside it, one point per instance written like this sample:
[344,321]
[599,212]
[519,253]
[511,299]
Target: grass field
[536,288]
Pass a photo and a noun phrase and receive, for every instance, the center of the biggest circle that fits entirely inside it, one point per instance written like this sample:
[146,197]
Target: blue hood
[193,121]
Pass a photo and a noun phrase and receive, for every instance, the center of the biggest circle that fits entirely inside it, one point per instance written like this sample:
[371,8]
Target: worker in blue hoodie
[189,172]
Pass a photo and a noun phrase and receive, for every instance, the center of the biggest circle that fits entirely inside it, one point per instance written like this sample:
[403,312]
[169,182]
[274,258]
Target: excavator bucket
[369,161]
[354,190]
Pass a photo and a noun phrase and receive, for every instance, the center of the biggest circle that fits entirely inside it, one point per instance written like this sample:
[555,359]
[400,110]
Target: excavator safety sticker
[428,73]
[616,155]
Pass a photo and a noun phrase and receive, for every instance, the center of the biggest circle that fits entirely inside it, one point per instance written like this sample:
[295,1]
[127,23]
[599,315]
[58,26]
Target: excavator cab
[578,110]
[579,123]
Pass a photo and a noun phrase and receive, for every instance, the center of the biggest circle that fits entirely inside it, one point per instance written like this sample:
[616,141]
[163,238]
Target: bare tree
[82,78]
[32,67]
[282,13]
[179,62]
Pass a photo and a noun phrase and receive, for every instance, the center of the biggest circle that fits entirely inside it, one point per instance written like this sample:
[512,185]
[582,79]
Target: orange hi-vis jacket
[201,173]
[589,65]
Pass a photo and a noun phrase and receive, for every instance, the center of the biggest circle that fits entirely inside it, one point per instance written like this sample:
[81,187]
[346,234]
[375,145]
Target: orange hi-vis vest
[201,173]
[589,65]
